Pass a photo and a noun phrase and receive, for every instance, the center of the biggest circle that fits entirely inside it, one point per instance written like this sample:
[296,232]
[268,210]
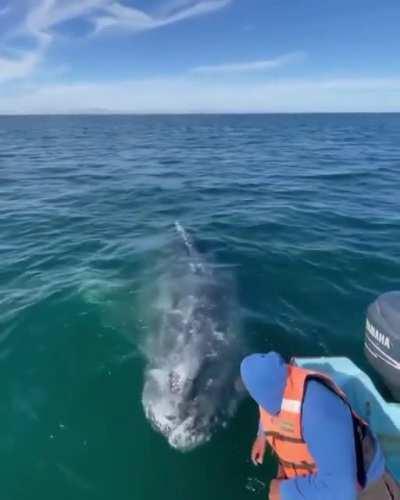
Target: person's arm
[258,452]
[328,431]
[259,446]
[260,431]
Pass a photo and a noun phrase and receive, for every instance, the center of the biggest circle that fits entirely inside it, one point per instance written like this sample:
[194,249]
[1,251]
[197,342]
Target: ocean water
[301,210]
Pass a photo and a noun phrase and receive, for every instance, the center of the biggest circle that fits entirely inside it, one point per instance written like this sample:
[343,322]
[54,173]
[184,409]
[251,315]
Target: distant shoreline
[162,114]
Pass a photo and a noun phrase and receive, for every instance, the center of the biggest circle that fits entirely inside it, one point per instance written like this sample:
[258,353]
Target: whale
[193,349]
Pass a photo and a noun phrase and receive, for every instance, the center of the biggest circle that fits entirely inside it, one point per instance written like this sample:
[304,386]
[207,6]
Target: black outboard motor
[382,340]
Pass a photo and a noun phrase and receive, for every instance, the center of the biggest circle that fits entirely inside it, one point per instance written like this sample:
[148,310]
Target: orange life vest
[284,430]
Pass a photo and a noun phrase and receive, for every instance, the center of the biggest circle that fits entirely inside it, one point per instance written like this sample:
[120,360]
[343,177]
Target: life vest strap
[299,465]
[281,437]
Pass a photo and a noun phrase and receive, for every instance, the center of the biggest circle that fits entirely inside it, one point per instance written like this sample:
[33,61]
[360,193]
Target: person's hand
[258,450]
[274,490]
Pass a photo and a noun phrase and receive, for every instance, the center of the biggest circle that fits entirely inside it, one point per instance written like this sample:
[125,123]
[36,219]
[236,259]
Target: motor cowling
[382,340]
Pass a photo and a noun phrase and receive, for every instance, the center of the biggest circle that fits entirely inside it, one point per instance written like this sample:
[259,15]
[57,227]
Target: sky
[199,56]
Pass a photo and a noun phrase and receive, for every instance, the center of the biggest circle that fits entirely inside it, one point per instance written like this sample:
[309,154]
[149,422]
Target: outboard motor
[382,340]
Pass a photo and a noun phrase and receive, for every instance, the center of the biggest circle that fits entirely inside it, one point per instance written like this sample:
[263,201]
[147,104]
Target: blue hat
[264,376]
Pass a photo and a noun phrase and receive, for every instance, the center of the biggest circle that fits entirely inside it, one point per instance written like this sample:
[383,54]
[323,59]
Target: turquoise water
[304,212]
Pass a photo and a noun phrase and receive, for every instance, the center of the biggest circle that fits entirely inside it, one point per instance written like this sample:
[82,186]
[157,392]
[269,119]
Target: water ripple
[304,210]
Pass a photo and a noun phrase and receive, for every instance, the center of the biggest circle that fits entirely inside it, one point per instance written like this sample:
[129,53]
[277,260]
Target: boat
[382,349]
[382,416]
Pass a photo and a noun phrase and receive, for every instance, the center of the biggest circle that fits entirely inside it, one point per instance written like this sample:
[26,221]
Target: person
[325,451]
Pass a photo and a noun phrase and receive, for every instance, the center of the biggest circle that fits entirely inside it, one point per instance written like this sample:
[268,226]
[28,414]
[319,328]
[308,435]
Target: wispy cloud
[43,16]
[47,14]
[251,66]
[132,19]
[37,24]
[20,67]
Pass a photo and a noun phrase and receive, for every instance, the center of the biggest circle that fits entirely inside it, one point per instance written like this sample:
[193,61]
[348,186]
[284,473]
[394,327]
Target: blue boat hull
[383,417]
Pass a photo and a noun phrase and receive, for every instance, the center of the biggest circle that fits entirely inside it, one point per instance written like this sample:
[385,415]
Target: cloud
[37,25]
[41,20]
[49,13]
[104,13]
[11,68]
[193,95]
[132,19]
[251,66]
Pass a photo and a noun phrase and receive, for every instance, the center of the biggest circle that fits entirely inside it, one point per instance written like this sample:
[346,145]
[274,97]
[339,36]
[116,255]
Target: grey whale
[193,351]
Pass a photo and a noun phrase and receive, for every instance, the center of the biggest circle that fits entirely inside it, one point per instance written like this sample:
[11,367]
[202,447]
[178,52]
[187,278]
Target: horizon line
[197,113]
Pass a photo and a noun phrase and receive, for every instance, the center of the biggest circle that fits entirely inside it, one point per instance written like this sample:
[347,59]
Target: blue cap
[264,376]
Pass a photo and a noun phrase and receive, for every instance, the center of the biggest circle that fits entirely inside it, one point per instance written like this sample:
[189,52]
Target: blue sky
[199,55]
